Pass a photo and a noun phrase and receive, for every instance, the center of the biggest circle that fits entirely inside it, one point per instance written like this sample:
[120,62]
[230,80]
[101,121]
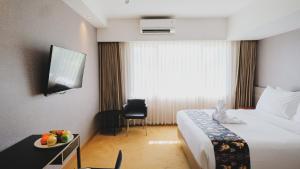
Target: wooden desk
[24,155]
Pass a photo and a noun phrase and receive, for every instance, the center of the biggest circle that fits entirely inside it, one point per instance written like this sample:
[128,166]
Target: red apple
[59,132]
[44,139]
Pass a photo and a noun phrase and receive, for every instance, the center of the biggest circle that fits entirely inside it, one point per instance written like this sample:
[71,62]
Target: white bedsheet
[273,142]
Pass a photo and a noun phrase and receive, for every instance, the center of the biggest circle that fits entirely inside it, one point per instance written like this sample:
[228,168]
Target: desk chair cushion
[135,115]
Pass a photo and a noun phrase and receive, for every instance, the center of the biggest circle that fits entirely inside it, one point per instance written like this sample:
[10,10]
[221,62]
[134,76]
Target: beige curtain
[246,74]
[110,76]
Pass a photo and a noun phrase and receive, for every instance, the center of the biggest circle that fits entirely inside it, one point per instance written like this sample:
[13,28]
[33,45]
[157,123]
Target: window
[178,74]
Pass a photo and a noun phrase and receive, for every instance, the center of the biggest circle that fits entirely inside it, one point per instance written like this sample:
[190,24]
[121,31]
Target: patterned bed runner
[231,151]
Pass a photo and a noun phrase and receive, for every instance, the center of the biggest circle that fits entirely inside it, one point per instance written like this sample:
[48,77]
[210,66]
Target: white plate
[38,144]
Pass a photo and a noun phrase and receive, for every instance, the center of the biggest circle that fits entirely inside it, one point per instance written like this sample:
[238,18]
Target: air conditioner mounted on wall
[157,26]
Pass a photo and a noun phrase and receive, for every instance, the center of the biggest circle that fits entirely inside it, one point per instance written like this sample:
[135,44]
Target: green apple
[65,138]
[67,132]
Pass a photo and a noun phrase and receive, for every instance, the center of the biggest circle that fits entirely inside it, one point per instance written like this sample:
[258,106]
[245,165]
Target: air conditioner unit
[157,26]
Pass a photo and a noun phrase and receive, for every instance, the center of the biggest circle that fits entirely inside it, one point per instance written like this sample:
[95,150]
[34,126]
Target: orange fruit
[45,134]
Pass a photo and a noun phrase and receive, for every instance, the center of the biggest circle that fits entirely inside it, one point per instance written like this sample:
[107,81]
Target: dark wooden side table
[24,155]
[109,122]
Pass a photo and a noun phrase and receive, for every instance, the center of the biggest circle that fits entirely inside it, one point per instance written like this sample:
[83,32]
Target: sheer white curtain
[176,75]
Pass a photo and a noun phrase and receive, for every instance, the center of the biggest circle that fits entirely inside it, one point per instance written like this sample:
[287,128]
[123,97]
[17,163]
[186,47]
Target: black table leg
[78,157]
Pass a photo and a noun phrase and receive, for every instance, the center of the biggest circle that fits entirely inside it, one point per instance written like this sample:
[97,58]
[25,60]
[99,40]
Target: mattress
[274,142]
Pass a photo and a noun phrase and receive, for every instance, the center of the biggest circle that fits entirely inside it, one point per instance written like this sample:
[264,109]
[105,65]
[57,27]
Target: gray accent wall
[278,61]
[27,29]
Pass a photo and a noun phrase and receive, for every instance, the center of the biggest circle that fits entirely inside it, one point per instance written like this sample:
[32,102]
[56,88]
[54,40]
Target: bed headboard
[257,92]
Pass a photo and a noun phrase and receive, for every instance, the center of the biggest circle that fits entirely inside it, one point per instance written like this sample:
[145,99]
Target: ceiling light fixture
[126,1]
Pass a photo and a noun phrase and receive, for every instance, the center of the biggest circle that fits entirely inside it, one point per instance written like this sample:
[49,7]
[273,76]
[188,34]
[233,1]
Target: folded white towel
[221,116]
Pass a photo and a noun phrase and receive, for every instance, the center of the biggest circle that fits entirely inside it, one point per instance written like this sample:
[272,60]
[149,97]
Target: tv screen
[66,69]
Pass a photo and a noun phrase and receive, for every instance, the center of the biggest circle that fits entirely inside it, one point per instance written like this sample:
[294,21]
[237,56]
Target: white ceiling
[246,19]
[112,9]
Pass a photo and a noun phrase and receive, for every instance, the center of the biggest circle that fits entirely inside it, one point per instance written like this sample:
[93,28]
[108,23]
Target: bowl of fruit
[54,138]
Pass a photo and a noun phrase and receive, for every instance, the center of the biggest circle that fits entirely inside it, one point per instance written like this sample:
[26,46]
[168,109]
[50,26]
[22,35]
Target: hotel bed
[274,142]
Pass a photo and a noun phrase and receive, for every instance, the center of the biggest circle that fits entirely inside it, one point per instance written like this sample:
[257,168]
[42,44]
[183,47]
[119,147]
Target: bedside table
[109,122]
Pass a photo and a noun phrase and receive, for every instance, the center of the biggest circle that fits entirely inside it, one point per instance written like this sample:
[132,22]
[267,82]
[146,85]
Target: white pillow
[278,102]
[296,117]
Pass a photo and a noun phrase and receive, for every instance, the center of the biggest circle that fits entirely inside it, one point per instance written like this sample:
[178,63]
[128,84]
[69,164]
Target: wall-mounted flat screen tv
[66,69]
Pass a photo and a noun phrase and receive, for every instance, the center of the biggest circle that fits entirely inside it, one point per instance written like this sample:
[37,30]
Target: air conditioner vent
[156,31]
[157,26]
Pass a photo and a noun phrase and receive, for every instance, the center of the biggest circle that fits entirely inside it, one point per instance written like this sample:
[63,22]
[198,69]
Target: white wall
[186,29]
[264,18]
[27,29]
[278,61]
